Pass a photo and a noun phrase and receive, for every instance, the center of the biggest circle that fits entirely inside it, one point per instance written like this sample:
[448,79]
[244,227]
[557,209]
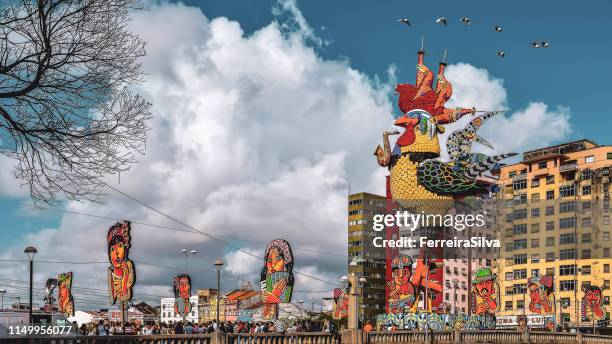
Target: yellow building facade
[557,223]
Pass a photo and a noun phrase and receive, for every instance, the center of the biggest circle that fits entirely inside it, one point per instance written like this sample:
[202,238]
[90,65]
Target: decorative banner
[420,320]
[49,298]
[276,277]
[592,304]
[541,294]
[182,293]
[341,301]
[485,292]
[65,300]
[121,273]
[402,293]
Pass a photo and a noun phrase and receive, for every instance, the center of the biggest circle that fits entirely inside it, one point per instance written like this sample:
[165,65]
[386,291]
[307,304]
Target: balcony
[568,167]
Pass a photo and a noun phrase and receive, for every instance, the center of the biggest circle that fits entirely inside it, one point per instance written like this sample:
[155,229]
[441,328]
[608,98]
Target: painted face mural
[592,304]
[49,298]
[541,294]
[341,301]
[182,293]
[402,293]
[276,277]
[485,292]
[65,300]
[121,273]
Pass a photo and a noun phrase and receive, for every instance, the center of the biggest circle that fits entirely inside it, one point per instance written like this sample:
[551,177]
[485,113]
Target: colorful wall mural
[341,302]
[542,295]
[592,308]
[182,292]
[121,273]
[276,277]
[485,292]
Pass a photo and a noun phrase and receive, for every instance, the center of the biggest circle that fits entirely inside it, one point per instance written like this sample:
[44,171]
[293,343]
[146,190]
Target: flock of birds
[466,21]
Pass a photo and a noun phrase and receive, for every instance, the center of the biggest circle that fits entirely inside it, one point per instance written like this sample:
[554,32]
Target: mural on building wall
[341,301]
[182,292]
[121,273]
[434,321]
[420,181]
[276,277]
[402,293]
[542,294]
[485,292]
[592,308]
[64,300]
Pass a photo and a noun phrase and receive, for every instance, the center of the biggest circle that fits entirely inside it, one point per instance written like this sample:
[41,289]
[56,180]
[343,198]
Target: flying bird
[442,20]
[544,44]
[466,20]
[535,44]
[501,54]
[405,21]
[498,28]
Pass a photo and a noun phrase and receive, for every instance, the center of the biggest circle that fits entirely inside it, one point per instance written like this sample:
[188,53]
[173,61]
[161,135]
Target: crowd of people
[109,328]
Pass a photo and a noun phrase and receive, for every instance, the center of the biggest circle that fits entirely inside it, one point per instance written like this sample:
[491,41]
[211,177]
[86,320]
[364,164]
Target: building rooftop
[557,150]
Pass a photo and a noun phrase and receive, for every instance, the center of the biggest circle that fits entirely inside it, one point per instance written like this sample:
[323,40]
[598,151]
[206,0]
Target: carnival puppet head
[182,286]
[592,303]
[540,292]
[277,273]
[65,301]
[118,240]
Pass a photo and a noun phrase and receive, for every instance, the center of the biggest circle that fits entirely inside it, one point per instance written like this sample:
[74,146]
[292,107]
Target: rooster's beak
[405,121]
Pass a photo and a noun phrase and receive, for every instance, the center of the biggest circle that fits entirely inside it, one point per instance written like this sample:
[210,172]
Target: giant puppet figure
[485,291]
[64,299]
[50,286]
[276,277]
[592,304]
[121,273]
[341,302]
[182,293]
[541,294]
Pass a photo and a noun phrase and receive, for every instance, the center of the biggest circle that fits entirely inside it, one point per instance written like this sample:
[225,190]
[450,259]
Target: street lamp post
[218,264]
[2,292]
[30,251]
[186,253]
[362,280]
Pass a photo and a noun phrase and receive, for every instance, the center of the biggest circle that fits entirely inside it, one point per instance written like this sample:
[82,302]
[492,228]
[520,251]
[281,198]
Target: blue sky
[194,182]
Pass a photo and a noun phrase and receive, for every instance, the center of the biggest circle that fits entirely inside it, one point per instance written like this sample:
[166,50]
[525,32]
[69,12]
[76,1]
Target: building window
[519,184]
[569,253]
[606,236]
[535,212]
[520,274]
[586,222]
[567,285]
[567,238]
[542,164]
[550,271]
[550,257]
[535,258]
[586,175]
[606,219]
[586,205]
[535,243]
[566,270]
[520,259]
[586,190]
[589,159]
[606,252]
[520,199]
[550,225]
[586,270]
[520,288]
[511,174]
[567,222]
[535,272]
[550,210]
[509,276]
[550,194]
[535,183]
[519,229]
[550,180]
[535,228]
[550,241]
[567,190]
[565,207]
[520,214]
[586,237]
[520,304]
[520,244]
[586,254]
[609,155]
[535,197]
[606,268]
[508,305]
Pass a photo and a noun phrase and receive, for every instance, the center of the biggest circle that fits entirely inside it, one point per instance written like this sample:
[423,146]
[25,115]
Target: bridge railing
[287,338]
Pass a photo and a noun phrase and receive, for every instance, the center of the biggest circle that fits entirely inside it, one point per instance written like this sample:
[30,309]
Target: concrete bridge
[346,337]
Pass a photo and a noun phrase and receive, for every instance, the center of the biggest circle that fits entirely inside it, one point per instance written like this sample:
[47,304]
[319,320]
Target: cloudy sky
[264,113]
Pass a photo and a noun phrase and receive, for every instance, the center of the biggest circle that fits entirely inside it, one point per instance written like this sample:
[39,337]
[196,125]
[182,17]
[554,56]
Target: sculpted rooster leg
[383,155]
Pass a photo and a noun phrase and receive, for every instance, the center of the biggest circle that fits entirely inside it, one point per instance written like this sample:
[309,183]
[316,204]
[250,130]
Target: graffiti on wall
[485,292]
[541,294]
[121,273]
[276,277]
[592,308]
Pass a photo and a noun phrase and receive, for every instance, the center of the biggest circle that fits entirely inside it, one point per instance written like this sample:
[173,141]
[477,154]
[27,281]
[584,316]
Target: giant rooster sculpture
[416,173]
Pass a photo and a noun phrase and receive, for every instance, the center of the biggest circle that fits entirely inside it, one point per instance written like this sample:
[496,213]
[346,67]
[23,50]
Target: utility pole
[218,264]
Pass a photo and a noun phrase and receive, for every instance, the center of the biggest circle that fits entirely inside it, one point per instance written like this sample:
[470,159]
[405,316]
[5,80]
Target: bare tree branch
[67,114]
